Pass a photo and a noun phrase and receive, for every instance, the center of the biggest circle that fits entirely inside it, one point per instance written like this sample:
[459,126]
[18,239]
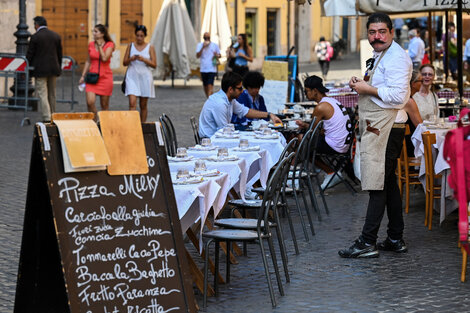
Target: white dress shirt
[392,78]
[416,49]
[217,113]
[207,55]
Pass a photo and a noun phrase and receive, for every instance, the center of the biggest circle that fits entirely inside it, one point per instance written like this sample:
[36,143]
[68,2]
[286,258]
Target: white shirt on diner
[392,78]
[217,113]
[416,49]
[207,56]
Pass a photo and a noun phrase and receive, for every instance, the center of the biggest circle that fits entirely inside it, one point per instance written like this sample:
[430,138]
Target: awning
[406,6]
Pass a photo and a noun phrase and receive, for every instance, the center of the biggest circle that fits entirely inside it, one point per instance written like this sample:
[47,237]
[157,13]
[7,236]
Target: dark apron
[375,124]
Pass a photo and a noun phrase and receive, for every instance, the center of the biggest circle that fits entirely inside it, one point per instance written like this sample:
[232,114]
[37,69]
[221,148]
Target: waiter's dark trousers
[388,197]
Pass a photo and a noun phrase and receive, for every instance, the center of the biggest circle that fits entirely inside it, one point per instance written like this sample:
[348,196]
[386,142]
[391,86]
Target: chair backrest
[301,154]
[290,147]
[195,127]
[271,193]
[170,135]
[404,151]
[312,147]
[312,122]
[428,140]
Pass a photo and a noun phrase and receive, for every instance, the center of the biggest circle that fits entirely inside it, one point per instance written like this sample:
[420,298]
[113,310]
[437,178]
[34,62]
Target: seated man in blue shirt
[250,97]
[219,107]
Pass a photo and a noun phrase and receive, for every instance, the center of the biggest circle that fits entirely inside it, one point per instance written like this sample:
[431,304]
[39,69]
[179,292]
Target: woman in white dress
[425,98]
[140,59]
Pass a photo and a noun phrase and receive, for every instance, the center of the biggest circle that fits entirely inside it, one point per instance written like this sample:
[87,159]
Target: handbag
[123,84]
[92,78]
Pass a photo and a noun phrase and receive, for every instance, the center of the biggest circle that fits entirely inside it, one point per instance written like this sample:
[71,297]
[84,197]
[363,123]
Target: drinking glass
[181,153]
[182,173]
[232,127]
[267,132]
[243,143]
[200,166]
[222,152]
[205,142]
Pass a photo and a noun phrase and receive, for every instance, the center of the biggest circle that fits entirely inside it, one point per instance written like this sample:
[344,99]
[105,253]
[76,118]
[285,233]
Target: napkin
[176,159]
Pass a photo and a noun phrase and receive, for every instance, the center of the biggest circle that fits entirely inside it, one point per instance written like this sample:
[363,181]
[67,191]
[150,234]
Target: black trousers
[325,67]
[388,197]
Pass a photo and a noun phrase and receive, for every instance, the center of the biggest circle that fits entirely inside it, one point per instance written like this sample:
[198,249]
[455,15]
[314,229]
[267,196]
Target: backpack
[457,154]
[330,52]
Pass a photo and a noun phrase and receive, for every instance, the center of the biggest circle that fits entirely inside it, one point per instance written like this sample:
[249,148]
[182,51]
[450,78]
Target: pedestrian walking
[209,53]
[242,53]
[100,51]
[383,93]
[45,56]
[140,59]
[323,55]
[451,49]
[416,48]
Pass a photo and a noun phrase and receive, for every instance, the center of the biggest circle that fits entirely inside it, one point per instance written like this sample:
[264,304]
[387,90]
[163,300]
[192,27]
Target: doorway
[250,29]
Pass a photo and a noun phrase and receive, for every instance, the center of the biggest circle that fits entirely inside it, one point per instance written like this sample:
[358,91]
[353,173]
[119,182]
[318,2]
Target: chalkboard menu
[99,243]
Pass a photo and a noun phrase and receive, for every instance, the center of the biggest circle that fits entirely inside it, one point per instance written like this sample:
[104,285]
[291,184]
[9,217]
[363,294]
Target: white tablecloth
[273,146]
[447,203]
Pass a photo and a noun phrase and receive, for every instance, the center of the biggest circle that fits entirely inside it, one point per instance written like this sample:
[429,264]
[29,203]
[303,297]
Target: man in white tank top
[336,136]
[336,123]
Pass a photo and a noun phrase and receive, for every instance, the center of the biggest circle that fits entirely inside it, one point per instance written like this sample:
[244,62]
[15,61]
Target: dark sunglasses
[239,88]
[207,38]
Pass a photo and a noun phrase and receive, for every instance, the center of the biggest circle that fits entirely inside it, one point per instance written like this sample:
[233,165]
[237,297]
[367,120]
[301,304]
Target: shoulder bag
[123,84]
[92,78]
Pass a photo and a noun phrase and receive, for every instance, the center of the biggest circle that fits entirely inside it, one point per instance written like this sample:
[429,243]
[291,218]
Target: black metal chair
[300,181]
[282,203]
[311,169]
[170,135]
[246,233]
[195,127]
[340,161]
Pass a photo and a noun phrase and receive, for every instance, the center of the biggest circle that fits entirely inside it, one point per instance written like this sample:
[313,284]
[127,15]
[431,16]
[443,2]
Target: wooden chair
[407,174]
[433,191]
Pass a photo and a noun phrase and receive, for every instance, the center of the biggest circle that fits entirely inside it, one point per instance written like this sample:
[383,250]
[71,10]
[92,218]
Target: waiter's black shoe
[398,246]
[360,249]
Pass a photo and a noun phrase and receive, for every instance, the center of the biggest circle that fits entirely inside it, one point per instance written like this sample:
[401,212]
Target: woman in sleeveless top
[425,98]
[242,54]
[140,59]
[99,57]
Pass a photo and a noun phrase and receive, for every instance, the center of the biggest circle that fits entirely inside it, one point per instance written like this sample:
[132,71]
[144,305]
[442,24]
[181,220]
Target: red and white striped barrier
[67,64]
[12,64]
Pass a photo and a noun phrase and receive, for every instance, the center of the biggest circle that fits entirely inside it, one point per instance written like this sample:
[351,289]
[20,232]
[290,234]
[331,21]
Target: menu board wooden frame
[99,243]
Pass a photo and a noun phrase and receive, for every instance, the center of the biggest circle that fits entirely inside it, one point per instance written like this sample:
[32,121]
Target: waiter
[383,92]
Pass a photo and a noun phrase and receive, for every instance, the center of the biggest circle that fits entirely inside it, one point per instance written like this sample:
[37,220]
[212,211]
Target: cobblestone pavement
[425,279]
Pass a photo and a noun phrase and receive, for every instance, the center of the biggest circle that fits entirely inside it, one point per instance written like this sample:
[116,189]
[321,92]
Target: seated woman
[425,98]
[250,97]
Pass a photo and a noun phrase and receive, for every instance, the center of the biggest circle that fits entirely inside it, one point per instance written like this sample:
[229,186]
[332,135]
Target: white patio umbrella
[216,23]
[339,8]
[174,41]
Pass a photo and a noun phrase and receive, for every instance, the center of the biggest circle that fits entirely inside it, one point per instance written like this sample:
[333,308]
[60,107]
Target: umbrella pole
[172,79]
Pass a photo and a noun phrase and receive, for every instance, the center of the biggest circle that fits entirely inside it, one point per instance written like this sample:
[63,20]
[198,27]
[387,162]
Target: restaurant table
[273,146]
[447,202]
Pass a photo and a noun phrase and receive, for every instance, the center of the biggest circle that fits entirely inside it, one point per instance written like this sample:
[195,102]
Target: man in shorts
[209,53]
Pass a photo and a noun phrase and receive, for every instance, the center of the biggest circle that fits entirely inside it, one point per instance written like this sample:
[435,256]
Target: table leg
[197,275]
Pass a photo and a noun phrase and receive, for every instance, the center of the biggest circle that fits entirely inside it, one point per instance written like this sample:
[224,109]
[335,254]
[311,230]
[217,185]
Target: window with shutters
[131,16]
[70,20]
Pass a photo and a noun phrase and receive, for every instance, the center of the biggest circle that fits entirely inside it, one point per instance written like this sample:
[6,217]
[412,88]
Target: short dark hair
[230,79]
[253,79]
[40,21]
[141,28]
[380,17]
[450,24]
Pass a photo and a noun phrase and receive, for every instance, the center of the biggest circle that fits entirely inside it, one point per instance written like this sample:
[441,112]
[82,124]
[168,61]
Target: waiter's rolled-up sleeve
[395,90]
